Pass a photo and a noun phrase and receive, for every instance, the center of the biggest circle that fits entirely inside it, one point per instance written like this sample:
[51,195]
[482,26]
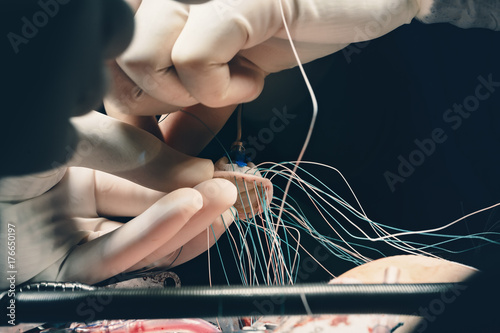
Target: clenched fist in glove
[218,53]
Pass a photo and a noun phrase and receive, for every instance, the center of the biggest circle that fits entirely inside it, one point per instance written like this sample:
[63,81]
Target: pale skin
[409,269]
[396,269]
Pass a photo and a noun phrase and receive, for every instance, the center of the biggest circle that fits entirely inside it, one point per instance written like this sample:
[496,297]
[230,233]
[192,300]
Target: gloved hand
[60,221]
[219,52]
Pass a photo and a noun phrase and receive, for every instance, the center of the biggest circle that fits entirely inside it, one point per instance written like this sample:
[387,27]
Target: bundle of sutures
[266,246]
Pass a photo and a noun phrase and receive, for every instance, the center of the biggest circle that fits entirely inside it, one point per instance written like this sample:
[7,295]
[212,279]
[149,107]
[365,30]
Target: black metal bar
[191,302]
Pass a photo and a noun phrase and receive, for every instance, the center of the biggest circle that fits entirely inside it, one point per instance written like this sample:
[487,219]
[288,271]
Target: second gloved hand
[61,222]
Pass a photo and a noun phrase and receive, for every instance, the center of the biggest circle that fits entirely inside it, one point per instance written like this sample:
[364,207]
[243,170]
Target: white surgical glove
[60,221]
[219,52]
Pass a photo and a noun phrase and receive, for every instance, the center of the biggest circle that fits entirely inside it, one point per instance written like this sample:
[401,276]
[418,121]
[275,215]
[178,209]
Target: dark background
[373,105]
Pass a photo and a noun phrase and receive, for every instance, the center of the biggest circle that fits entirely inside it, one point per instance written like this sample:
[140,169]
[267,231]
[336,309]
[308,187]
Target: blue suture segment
[238,155]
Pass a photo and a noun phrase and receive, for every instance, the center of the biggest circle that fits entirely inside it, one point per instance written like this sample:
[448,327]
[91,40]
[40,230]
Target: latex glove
[57,217]
[218,53]
[115,147]
[189,130]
